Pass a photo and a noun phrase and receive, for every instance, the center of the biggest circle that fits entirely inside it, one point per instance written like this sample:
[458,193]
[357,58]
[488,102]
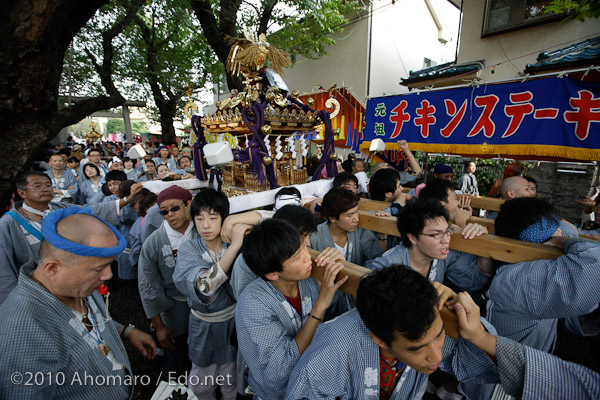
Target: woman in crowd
[90,184]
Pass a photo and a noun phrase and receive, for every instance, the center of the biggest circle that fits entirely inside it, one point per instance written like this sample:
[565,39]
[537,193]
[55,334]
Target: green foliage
[140,127]
[175,57]
[115,125]
[580,9]
[308,32]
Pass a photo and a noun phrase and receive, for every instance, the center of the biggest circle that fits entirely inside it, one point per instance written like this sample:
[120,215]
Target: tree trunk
[35,35]
[167,111]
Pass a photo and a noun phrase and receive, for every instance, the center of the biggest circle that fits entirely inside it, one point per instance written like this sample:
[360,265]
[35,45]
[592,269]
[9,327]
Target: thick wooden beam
[483,202]
[372,205]
[355,273]
[498,248]
[486,203]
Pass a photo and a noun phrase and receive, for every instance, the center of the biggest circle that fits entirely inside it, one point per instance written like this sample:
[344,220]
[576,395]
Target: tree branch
[266,16]
[215,33]
[88,106]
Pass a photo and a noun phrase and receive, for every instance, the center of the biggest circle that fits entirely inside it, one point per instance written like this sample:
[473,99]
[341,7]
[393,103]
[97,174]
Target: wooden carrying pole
[486,203]
[374,205]
[366,207]
[355,273]
[498,248]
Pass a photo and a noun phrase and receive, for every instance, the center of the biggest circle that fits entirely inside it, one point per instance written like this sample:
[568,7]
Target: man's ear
[388,195]
[510,194]
[378,341]
[331,219]
[412,238]
[52,267]
[272,276]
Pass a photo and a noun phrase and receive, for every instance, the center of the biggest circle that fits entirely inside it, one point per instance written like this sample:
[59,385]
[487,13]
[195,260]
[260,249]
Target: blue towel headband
[49,232]
[539,232]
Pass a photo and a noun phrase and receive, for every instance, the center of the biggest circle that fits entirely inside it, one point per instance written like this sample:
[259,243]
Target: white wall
[403,35]
[519,47]
[345,63]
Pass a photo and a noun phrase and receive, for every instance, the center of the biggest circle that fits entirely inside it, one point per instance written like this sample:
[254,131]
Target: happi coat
[87,190]
[241,276]
[67,180]
[40,334]
[267,325]
[155,280]
[343,362]
[530,374]
[459,268]
[208,342]
[527,299]
[171,164]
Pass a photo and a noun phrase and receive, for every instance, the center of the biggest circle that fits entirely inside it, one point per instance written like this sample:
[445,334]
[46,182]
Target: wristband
[318,319]
[127,331]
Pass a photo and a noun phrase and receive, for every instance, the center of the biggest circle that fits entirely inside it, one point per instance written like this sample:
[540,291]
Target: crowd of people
[232,296]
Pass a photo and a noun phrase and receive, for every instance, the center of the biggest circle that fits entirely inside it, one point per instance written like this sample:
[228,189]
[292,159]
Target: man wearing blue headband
[56,326]
[527,299]
[21,230]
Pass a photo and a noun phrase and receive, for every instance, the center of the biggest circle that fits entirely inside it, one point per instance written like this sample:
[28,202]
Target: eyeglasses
[349,186]
[165,212]
[440,235]
[47,186]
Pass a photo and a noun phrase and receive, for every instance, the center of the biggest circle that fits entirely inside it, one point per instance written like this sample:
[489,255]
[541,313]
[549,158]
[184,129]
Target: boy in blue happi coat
[202,275]
[278,314]
[386,348]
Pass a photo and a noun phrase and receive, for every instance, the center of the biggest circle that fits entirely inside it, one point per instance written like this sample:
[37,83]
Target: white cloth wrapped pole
[292,146]
[268,145]
[278,148]
[303,145]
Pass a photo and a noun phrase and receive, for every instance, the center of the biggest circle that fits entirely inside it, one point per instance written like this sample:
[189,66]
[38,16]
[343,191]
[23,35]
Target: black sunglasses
[165,212]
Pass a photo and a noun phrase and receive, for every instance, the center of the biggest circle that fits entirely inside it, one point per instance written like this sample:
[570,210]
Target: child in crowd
[202,275]
[278,314]
[340,208]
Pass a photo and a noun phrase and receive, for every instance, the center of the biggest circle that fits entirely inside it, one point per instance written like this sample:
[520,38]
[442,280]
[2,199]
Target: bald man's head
[514,187]
[83,229]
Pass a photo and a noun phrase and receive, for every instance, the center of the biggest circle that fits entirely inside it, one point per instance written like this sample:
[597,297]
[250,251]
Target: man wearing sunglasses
[164,304]
[425,247]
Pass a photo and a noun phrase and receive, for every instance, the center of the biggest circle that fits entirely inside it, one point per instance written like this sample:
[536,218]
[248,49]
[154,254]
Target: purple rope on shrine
[329,149]
[257,151]
[200,164]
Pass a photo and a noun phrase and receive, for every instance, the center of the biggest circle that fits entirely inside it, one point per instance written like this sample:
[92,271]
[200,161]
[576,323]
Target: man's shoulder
[346,332]
[257,292]
[397,250]
[153,239]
